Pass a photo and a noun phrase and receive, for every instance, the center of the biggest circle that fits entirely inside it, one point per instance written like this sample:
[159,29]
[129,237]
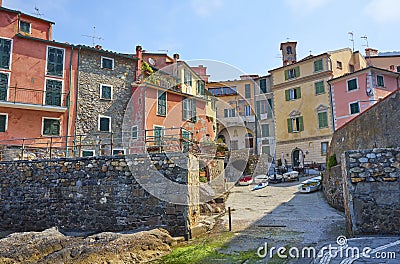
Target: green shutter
[287,95]
[3,86]
[225,112]
[301,123]
[194,117]
[3,120]
[286,74]
[5,52]
[297,71]
[258,109]
[290,125]
[298,92]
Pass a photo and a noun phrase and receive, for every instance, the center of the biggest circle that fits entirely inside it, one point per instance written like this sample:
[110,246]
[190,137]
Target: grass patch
[205,250]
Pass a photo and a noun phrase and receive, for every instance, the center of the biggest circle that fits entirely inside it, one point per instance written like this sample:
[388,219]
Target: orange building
[37,79]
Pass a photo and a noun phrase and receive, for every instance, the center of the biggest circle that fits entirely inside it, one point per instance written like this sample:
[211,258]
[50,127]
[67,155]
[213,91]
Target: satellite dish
[152,61]
[370,92]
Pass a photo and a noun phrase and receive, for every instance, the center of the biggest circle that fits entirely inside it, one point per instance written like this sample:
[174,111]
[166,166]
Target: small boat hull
[245,181]
[310,185]
[259,186]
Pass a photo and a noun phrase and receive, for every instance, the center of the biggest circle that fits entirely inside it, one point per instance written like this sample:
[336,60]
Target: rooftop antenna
[164,50]
[310,52]
[351,38]
[366,40]
[93,37]
[37,12]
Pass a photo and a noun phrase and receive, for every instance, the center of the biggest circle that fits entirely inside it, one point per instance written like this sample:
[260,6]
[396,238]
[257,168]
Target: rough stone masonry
[372,191]
[90,194]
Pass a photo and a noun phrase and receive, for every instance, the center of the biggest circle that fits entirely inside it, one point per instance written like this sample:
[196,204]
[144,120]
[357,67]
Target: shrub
[331,161]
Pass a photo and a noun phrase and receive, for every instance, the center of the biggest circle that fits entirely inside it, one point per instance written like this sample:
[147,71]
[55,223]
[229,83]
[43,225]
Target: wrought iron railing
[15,95]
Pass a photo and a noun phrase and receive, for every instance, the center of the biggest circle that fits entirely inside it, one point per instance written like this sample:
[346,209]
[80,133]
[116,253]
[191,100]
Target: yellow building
[302,103]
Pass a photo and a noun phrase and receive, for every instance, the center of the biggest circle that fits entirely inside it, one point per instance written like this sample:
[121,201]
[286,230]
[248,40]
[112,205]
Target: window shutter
[225,112]
[3,86]
[287,95]
[297,71]
[193,117]
[258,109]
[233,112]
[3,119]
[290,125]
[286,74]
[301,124]
[298,92]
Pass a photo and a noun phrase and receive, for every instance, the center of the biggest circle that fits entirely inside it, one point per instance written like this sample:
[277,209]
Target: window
[247,110]
[187,77]
[351,67]
[158,135]
[185,140]
[3,86]
[322,119]
[379,81]
[295,124]
[293,94]
[354,108]
[5,53]
[3,122]
[339,65]
[352,84]
[134,132]
[264,106]
[105,92]
[398,68]
[234,145]
[318,66]
[200,87]
[87,153]
[53,92]
[162,103]
[319,87]
[229,112]
[289,50]
[265,130]
[51,127]
[292,73]
[391,67]
[104,124]
[25,27]
[324,148]
[55,61]
[247,91]
[118,151]
[189,109]
[266,150]
[107,63]
[263,85]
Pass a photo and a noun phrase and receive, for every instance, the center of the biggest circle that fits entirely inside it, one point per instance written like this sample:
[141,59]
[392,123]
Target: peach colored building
[384,60]
[38,79]
[354,93]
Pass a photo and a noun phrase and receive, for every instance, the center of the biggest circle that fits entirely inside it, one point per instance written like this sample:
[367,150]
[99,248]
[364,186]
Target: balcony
[30,99]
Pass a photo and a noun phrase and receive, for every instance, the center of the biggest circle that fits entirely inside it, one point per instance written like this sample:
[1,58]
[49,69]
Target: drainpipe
[76,93]
[19,20]
[255,119]
[332,112]
[69,101]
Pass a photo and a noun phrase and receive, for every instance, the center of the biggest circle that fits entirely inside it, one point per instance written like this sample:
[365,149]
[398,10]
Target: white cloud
[305,6]
[205,8]
[383,11]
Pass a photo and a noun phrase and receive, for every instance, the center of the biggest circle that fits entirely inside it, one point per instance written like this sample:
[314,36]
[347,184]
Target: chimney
[139,56]
[370,52]
[1,3]
[176,57]
[99,47]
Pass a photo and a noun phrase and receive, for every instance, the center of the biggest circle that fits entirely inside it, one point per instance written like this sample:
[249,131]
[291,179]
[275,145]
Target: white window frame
[47,57]
[11,54]
[98,123]
[45,90]
[347,85]
[359,108]
[101,91]
[92,150]
[53,118]
[107,58]
[8,84]
[166,103]
[247,110]
[118,149]
[291,73]
[383,80]
[30,26]
[339,63]
[137,133]
[327,146]
[6,125]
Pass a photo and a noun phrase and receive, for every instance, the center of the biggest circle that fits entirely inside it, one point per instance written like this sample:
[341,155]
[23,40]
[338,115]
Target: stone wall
[332,187]
[372,191]
[90,105]
[96,194]
[378,127]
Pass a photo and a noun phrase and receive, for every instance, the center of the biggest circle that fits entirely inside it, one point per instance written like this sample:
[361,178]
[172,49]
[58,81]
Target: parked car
[310,185]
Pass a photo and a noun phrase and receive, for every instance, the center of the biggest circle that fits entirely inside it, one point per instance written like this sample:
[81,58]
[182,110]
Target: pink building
[354,93]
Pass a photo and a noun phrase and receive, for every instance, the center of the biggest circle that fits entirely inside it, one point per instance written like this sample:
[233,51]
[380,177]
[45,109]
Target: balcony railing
[16,95]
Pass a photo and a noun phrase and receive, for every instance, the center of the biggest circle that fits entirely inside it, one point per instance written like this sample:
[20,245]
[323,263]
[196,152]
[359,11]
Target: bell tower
[288,52]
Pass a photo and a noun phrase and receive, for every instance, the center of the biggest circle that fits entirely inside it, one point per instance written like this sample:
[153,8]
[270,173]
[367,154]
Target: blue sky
[244,34]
